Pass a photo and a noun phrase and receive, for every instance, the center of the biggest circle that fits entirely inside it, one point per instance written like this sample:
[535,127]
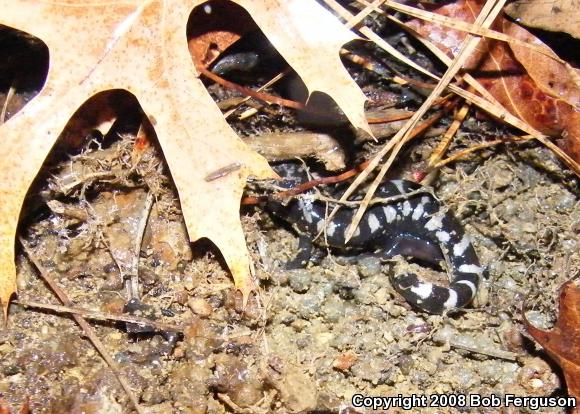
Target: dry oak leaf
[553,15]
[141,46]
[563,342]
[535,88]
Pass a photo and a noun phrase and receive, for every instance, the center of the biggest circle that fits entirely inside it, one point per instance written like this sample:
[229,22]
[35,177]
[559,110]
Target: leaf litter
[286,348]
[563,341]
[139,47]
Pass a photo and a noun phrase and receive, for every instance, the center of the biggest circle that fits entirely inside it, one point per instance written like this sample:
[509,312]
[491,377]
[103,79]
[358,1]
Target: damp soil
[310,338]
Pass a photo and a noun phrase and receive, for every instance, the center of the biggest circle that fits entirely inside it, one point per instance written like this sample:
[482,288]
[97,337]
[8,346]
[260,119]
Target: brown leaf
[546,96]
[553,15]
[550,76]
[141,47]
[5,408]
[563,342]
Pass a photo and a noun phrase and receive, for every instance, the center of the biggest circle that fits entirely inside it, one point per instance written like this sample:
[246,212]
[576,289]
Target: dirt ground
[311,338]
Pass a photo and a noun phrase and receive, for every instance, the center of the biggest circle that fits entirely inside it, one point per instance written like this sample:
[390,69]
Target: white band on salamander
[459,248]
[423,290]
[470,268]
[451,302]
[471,286]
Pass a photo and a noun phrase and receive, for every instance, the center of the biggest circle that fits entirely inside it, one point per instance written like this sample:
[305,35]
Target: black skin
[413,226]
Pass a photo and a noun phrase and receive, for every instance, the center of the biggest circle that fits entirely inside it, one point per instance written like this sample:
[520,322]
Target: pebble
[502,177]
[365,294]
[467,377]
[570,245]
[369,266]
[299,280]
[405,363]
[341,341]
[299,391]
[566,202]
[333,310]
[200,307]
[373,369]
[507,210]
[348,279]
[444,334]
[308,306]
[538,319]
[382,296]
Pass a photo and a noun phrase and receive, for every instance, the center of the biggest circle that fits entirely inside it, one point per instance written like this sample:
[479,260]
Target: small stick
[134,287]
[250,92]
[66,187]
[374,200]
[461,154]
[87,329]
[260,89]
[101,316]
[458,119]
[445,142]
[389,118]
[9,96]
[497,353]
[222,172]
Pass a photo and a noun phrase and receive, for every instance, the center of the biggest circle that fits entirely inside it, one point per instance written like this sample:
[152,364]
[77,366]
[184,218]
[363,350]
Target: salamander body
[413,226]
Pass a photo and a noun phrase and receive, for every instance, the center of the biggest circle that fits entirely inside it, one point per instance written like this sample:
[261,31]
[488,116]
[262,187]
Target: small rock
[299,391]
[200,307]
[333,310]
[529,227]
[308,306]
[537,377]
[344,361]
[299,280]
[369,266]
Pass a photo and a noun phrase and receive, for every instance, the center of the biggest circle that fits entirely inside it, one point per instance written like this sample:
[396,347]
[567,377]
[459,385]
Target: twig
[437,154]
[9,96]
[369,8]
[461,154]
[66,187]
[87,329]
[375,200]
[250,92]
[260,89]
[497,353]
[237,409]
[134,287]
[449,134]
[101,316]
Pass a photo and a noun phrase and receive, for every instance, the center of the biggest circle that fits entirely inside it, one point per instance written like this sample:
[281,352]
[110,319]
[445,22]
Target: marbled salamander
[411,227]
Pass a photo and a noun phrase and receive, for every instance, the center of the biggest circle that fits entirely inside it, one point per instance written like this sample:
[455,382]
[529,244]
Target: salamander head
[303,213]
